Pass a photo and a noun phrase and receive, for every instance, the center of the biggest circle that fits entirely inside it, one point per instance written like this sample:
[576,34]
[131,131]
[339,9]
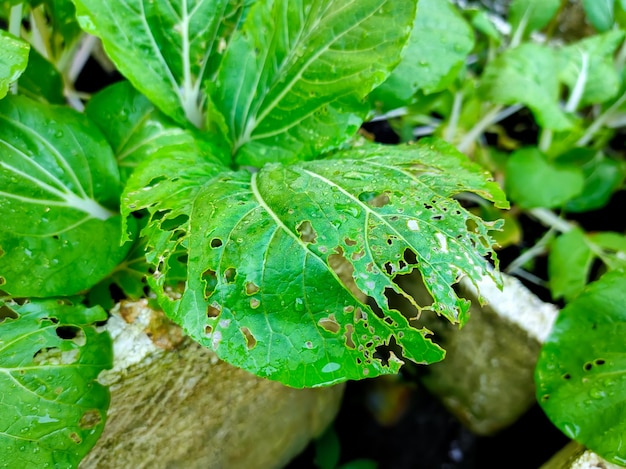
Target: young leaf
[136,129]
[534,181]
[293,80]
[13,60]
[41,81]
[569,264]
[590,61]
[527,74]
[531,15]
[168,49]
[439,44]
[52,409]
[581,370]
[600,13]
[58,184]
[277,257]
[603,176]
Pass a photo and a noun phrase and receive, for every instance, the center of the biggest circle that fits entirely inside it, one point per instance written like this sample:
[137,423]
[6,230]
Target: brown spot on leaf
[213,310]
[251,288]
[90,419]
[75,438]
[348,336]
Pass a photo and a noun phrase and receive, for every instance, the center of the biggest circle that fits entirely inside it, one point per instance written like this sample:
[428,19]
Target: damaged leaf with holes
[52,409]
[581,372]
[281,261]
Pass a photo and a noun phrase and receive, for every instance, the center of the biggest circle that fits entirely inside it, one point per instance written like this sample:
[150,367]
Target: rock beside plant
[175,404]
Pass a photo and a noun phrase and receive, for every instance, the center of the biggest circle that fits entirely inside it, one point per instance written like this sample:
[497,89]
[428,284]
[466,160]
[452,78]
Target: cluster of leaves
[542,111]
[230,166]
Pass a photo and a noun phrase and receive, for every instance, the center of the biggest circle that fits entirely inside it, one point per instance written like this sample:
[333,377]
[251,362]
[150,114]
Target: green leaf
[581,370]
[168,49]
[279,259]
[41,81]
[438,46]
[591,60]
[61,15]
[58,184]
[293,80]
[603,176]
[600,13]
[569,263]
[613,247]
[13,60]
[526,74]
[532,15]
[166,185]
[534,181]
[136,129]
[52,410]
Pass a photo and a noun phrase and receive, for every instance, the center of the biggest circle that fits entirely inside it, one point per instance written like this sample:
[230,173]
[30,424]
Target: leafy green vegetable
[52,409]
[266,252]
[13,60]
[531,15]
[41,81]
[534,181]
[168,50]
[603,176]
[582,369]
[58,183]
[526,74]
[591,61]
[569,264]
[293,80]
[600,13]
[136,129]
[438,46]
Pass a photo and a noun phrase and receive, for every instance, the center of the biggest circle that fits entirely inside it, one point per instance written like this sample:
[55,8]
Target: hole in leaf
[216,243]
[329,324]
[90,419]
[208,330]
[2,281]
[306,232]
[348,336]
[344,270]
[230,274]
[567,376]
[209,277]
[73,333]
[349,242]
[254,303]
[436,217]
[54,356]
[545,397]
[251,288]
[177,222]
[154,181]
[250,340]
[599,362]
[358,255]
[374,199]
[7,313]
[410,257]
[385,353]
[213,310]
[588,366]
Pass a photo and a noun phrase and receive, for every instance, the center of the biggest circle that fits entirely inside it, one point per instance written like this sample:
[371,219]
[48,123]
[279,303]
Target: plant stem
[552,220]
[450,130]
[545,140]
[40,37]
[579,88]
[15,26]
[487,120]
[538,249]
[519,32]
[82,54]
[600,122]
